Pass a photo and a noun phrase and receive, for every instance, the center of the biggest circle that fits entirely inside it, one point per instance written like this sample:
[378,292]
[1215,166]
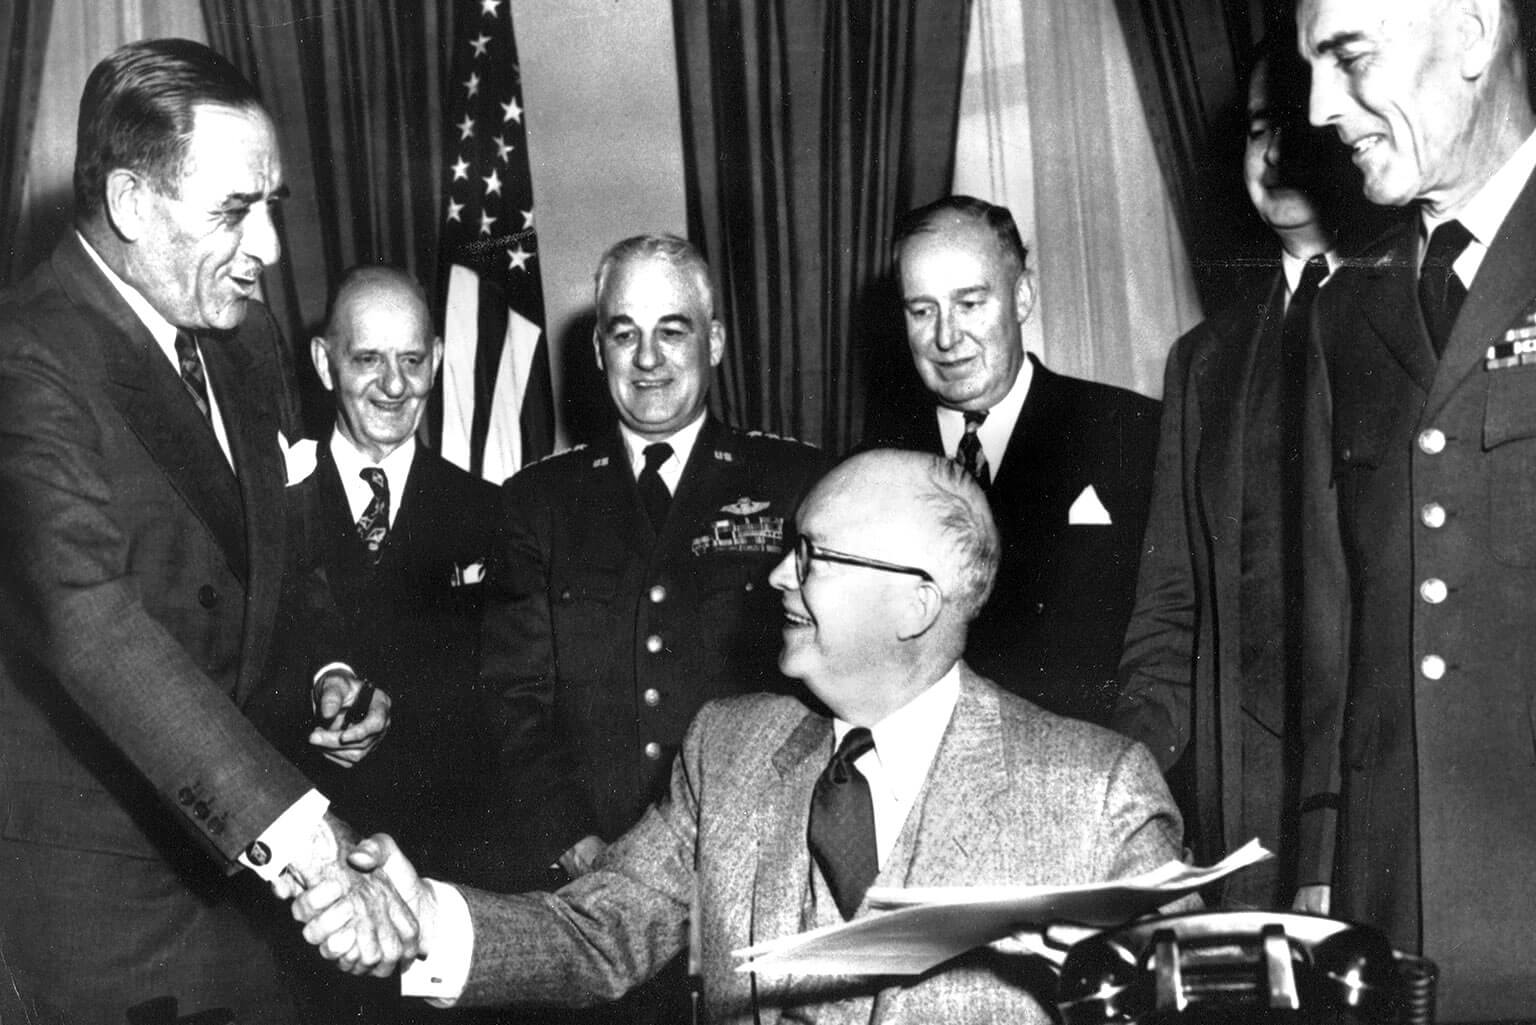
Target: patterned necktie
[969,454]
[1440,291]
[191,365]
[373,527]
[653,490]
[842,827]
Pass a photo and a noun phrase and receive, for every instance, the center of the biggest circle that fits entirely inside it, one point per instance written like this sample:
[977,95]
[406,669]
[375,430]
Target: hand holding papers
[925,926]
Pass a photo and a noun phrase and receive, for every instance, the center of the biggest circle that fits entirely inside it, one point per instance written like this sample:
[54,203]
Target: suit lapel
[1036,445]
[1504,286]
[152,400]
[1390,306]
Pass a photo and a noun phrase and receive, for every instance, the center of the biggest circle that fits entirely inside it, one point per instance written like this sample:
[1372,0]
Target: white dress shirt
[906,742]
[998,427]
[164,334]
[1293,266]
[1484,213]
[682,442]
[350,464]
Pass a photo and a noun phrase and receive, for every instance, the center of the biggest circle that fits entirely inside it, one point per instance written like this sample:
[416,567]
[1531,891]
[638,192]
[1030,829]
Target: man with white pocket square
[1066,463]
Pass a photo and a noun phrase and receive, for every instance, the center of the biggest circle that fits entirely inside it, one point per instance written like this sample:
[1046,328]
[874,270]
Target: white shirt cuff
[290,832]
[449,935]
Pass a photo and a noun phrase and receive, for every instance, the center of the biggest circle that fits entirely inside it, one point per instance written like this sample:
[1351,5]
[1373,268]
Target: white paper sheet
[925,926]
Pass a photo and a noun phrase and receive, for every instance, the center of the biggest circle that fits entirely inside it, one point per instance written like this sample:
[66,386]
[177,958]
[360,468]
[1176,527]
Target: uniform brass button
[653,643]
[1432,441]
[207,597]
[652,696]
[749,585]
[653,751]
[658,594]
[565,595]
[1433,515]
[1433,590]
[1432,666]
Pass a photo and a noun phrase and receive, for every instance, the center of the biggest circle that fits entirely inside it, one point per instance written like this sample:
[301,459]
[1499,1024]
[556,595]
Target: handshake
[361,902]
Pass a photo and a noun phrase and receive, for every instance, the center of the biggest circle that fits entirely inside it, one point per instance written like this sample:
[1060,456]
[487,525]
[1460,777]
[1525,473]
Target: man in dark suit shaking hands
[1066,464]
[1434,463]
[142,554]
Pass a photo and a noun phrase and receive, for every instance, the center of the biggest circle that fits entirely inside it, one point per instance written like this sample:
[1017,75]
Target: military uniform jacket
[603,639]
[1435,465]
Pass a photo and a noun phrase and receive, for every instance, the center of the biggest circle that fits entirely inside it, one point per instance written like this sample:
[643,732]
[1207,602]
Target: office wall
[605,142]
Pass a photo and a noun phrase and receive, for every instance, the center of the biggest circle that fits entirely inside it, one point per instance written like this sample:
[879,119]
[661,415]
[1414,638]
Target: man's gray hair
[965,523]
[677,251]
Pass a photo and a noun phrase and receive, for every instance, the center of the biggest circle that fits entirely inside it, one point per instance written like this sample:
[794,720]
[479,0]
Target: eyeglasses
[806,550]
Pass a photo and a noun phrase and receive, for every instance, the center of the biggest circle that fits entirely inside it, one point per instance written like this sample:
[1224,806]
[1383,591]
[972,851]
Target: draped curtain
[809,127]
[356,88]
[24,25]
[1051,127]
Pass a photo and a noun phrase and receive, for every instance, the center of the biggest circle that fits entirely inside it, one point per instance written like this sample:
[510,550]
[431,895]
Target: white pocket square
[466,575]
[299,459]
[1087,510]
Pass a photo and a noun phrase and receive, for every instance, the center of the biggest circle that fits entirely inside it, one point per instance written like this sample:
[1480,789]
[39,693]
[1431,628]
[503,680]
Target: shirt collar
[1484,213]
[907,740]
[1294,265]
[682,442]
[998,427]
[350,463]
[162,330]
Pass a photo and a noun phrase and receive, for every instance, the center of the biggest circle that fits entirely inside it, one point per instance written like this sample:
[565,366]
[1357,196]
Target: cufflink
[258,853]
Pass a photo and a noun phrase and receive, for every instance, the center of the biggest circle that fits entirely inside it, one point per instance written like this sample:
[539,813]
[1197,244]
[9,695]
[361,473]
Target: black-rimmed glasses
[807,550]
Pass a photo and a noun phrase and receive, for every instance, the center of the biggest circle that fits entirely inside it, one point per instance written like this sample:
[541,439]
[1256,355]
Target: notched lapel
[783,859]
[1390,306]
[963,800]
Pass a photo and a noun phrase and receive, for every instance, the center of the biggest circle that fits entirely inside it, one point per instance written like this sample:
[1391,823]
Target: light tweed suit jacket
[1016,795]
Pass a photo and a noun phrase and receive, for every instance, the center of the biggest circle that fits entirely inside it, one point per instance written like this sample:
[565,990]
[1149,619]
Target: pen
[357,711]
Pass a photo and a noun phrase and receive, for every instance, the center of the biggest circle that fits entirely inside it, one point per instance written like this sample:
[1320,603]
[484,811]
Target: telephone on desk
[1253,967]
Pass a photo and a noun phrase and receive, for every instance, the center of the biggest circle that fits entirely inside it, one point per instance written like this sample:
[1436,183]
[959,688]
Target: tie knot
[974,418]
[657,454]
[1313,273]
[1445,244]
[857,742]
[374,475]
[186,346]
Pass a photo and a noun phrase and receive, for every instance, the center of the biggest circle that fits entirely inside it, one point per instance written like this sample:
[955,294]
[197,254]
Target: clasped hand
[347,728]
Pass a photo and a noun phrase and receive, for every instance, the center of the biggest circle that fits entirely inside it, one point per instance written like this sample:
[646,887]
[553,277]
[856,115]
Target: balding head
[898,552]
[379,357]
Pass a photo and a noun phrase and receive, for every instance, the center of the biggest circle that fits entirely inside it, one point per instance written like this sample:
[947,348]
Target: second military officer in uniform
[629,581]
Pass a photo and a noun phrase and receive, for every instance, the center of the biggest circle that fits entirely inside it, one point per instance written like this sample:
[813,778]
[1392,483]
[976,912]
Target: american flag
[498,412]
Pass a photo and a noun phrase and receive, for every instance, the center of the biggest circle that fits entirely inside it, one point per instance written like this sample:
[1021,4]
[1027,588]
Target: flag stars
[466,128]
[454,210]
[461,169]
[503,148]
[472,84]
[492,183]
[486,220]
[488,7]
[517,259]
[527,219]
[480,43]
[510,111]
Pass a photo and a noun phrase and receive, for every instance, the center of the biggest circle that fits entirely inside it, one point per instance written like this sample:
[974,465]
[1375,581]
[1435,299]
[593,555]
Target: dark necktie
[1295,409]
[373,527]
[191,365]
[969,454]
[653,490]
[842,827]
[1440,291]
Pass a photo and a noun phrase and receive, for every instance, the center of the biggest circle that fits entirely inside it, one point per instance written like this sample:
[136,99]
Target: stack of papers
[921,927]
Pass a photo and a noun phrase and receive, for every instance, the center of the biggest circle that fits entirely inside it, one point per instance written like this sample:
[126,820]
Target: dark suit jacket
[1182,668]
[1440,765]
[1054,625]
[414,618]
[603,640]
[139,583]
[1015,796]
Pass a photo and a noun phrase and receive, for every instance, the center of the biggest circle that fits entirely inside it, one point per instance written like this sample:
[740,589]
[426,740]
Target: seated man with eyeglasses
[780,816]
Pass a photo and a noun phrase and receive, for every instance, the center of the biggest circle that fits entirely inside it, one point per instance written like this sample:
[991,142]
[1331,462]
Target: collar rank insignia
[744,531]
[1517,349]
[599,462]
[724,456]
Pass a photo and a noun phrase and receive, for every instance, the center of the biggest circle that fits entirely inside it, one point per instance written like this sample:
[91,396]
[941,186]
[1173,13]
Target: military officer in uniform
[629,580]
